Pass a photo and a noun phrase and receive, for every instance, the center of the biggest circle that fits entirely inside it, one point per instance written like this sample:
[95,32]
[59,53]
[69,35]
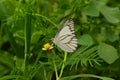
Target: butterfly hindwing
[65,38]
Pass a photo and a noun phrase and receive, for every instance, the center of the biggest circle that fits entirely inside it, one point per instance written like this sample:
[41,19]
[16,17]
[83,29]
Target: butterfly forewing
[68,28]
[65,37]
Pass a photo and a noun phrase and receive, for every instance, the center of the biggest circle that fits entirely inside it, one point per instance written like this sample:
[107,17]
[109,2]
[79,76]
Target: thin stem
[55,69]
[45,18]
[54,64]
[45,74]
[63,66]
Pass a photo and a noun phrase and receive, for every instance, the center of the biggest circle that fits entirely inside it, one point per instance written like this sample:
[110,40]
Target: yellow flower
[47,47]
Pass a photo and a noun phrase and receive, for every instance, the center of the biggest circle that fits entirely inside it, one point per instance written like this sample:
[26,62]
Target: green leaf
[94,7]
[35,37]
[27,41]
[112,36]
[85,40]
[85,75]
[111,14]
[85,55]
[7,77]
[107,52]
[6,63]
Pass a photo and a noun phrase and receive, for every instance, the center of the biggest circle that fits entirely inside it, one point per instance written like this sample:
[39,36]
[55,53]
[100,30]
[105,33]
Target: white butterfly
[65,37]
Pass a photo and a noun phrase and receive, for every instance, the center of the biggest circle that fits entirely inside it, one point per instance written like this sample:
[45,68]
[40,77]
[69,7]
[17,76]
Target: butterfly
[65,37]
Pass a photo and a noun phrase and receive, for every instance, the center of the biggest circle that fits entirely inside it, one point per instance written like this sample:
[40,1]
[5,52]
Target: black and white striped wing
[65,37]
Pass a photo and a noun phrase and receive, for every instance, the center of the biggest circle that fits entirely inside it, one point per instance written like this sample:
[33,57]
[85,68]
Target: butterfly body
[65,37]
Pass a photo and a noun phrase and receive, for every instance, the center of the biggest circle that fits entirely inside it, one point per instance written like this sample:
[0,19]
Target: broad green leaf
[85,40]
[94,7]
[107,52]
[111,14]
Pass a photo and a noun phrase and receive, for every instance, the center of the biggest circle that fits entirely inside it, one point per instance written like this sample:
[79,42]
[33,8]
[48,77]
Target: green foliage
[107,53]
[85,75]
[85,40]
[26,25]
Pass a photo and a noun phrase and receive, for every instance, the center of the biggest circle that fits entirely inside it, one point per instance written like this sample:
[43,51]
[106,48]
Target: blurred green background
[26,25]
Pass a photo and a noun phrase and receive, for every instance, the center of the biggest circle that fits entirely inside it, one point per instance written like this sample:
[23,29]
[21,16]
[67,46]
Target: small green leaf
[85,40]
[107,52]
[111,14]
[112,36]
[35,37]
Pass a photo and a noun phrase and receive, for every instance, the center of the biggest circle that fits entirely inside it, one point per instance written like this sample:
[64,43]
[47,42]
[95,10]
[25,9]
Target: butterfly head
[55,39]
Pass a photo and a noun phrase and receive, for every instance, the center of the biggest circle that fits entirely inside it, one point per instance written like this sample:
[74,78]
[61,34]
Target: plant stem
[45,18]
[63,66]
[55,69]
[27,42]
[54,64]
